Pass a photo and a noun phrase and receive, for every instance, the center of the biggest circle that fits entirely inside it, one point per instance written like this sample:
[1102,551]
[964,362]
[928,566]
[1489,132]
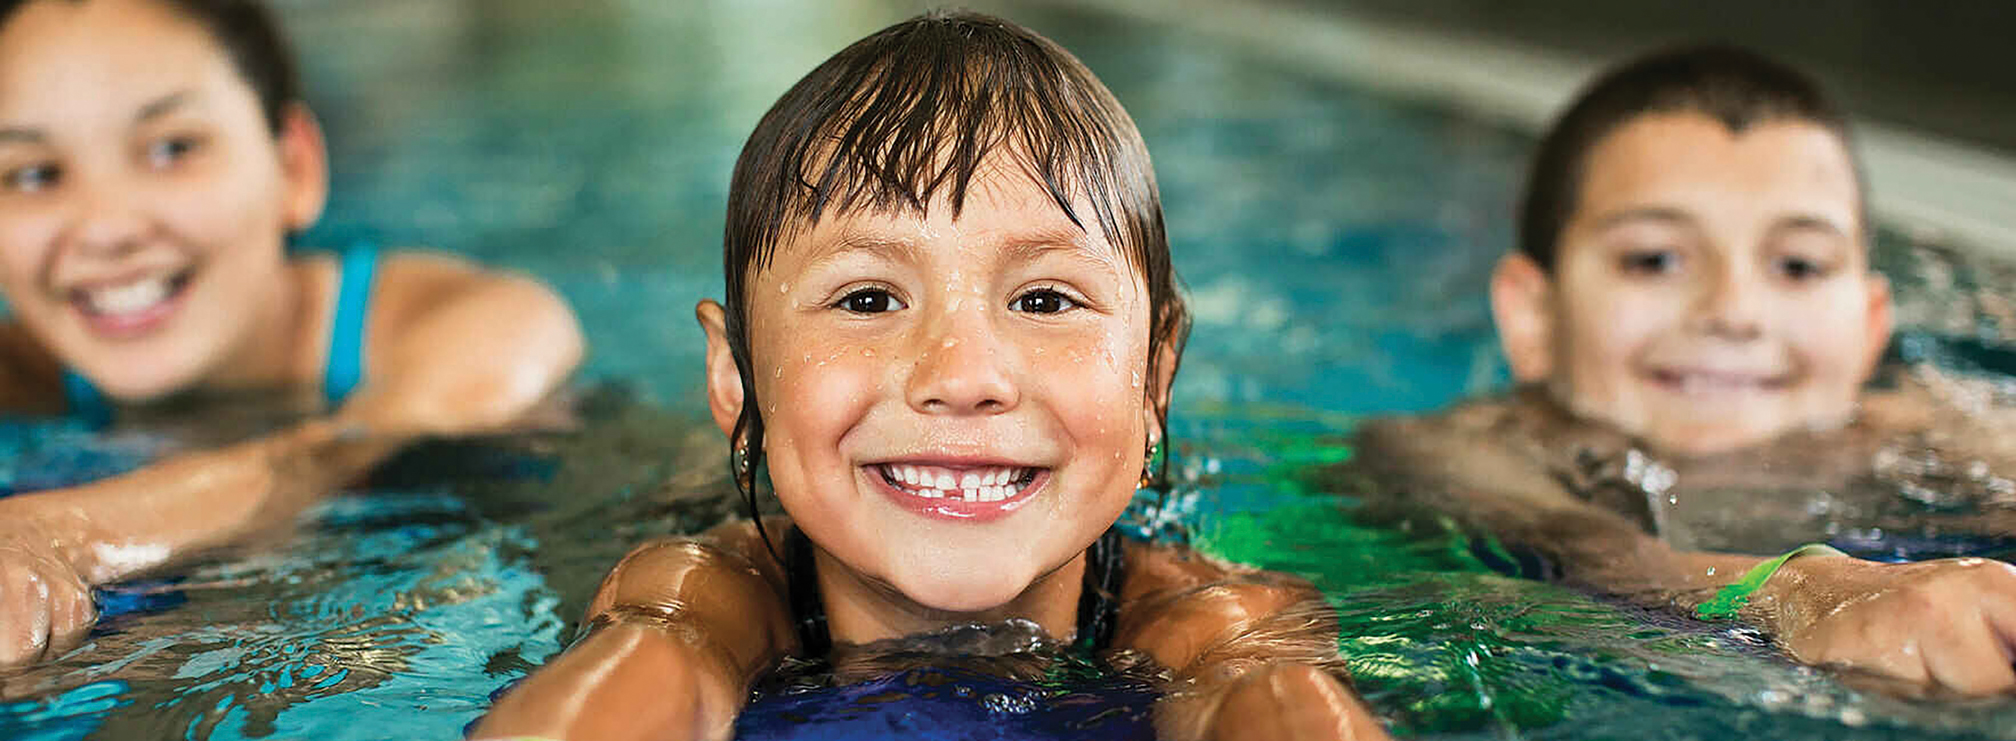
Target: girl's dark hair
[1737,87]
[248,32]
[912,112]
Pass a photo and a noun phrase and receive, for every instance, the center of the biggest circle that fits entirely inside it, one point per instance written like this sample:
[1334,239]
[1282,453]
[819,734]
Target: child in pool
[950,330]
[154,156]
[1692,316]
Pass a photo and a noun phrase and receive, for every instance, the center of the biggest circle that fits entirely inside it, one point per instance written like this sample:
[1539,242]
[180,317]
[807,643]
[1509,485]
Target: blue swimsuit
[344,368]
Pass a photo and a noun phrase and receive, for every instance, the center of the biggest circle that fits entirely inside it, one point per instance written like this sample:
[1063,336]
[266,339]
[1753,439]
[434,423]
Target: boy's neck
[859,610]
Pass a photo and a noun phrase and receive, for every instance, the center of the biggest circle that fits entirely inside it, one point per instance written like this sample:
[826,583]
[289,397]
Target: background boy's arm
[1251,654]
[1950,623]
[680,630]
[478,351]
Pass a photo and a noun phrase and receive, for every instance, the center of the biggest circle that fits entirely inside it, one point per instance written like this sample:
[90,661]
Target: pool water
[1335,244]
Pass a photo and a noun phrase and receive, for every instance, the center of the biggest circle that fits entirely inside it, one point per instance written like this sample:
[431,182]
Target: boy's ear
[1522,305]
[724,380]
[304,166]
[1877,324]
[1156,402]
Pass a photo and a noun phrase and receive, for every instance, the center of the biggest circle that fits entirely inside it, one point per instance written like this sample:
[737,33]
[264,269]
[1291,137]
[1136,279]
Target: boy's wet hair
[248,33]
[1735,86]
[914,113]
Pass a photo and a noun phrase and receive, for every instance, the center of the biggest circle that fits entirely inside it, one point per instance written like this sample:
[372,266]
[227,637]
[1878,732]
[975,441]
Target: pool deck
[1932,188]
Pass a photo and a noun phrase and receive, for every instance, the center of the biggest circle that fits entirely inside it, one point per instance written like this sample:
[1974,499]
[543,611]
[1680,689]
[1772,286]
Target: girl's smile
[141,225]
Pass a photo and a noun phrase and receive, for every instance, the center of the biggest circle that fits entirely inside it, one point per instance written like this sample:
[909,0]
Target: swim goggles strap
[1733,597]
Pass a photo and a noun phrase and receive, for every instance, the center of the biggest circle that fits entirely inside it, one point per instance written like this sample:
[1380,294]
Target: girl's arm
[1950,623]
[1251,654]
[463,352]
[677,633]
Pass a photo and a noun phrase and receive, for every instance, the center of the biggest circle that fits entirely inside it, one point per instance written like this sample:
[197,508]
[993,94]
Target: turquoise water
[1335,246]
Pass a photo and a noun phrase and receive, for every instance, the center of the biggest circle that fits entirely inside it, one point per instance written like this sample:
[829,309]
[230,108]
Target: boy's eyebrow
[1663,214]
[894,249]
[1068,242]
[21,135]
[163,106]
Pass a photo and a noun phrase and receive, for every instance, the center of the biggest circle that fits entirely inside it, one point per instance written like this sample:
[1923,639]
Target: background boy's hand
[1949,623]
[1291,701]
[44,605]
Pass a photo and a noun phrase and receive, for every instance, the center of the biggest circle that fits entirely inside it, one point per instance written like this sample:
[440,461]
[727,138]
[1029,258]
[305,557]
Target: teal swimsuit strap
[345,368]
[81,400]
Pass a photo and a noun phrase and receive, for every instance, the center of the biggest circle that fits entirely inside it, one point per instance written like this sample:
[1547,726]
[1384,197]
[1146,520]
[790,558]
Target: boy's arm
[451,368]
[1950,623]
[678,632]
[1251,654]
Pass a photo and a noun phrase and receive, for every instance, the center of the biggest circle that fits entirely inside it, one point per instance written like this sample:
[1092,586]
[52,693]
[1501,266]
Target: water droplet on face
[951,342]
[780,371]
[867,352]
[783,288]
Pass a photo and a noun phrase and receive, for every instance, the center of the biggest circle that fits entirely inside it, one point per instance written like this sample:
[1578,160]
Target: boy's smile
[1711,289]
[954,408]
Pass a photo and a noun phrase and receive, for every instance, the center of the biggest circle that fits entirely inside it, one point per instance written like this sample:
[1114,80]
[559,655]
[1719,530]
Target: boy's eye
[169,150]
[870,301]
[1650,262]
[1800,269]
[1043,301]
[32,178]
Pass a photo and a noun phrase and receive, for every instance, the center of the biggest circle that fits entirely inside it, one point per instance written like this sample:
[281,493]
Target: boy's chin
[1701,438]
[954,588]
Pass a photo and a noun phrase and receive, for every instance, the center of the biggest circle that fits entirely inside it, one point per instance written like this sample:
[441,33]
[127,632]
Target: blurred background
[1338,179]
[1311,151]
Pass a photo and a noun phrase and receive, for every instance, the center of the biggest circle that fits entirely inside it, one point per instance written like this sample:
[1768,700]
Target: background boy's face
[903,362]
[1711,290]
[143,196]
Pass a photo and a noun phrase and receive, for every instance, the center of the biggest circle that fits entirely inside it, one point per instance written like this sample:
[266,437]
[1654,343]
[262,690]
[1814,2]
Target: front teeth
[131,298]
[991,485]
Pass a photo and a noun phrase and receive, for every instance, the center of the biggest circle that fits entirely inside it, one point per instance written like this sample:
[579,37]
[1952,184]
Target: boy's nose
[961,370]
[1730,305]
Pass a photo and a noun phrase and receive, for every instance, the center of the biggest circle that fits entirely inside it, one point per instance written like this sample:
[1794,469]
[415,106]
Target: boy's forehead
[1691,165]
[1002,212]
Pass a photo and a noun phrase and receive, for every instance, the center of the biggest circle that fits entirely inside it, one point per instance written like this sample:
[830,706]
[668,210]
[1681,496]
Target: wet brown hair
[1738,87]
[912,112]
[248,33]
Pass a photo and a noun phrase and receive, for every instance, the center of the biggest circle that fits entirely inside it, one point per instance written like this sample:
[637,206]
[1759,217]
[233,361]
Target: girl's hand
[44,605]
[1949,623]
[1290,701]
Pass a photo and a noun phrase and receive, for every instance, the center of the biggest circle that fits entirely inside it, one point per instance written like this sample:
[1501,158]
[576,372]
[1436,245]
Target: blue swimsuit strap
[345,366]
[340,376]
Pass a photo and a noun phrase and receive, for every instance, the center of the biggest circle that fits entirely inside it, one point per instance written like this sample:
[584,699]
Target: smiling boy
[1692,317]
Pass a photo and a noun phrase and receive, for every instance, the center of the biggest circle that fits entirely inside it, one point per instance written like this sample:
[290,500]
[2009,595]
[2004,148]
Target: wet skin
[898,347]
[1711,289]
[1711,298]
[141,231]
